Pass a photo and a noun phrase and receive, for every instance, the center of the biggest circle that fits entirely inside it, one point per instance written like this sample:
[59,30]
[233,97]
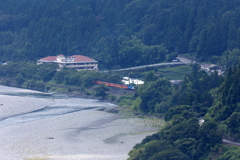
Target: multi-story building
[78,62]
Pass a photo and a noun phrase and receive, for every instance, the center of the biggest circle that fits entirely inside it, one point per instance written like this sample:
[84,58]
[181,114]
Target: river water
[35,125]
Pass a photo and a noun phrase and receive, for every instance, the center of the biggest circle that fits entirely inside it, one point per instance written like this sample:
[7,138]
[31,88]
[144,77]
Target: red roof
[81,58]
[49,58]
[78,58]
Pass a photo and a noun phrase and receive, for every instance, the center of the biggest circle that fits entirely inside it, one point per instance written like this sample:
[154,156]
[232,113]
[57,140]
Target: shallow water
[35,125]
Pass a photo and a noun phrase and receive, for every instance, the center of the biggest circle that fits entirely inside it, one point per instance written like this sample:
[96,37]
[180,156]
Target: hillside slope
[120,33]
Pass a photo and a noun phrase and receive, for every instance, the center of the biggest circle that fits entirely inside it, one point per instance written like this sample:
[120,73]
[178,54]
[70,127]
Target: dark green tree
[101,91]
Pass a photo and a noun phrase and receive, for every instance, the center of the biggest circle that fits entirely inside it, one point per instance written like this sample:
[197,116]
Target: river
[40,126]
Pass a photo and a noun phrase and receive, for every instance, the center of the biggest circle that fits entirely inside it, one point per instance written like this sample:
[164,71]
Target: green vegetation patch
[174,73]
[232,154]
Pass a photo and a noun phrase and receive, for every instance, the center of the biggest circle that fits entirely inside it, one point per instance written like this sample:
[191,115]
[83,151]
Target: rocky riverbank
[72,91]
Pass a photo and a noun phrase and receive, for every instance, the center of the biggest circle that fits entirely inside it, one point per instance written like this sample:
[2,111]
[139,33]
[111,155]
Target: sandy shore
[83,135]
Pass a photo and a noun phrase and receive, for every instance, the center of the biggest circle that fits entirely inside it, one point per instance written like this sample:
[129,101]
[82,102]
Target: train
[129,87]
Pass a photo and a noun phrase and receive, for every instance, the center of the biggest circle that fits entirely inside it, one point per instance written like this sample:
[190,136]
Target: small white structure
[127,81]
[211,68]
[201,121]
[176,82]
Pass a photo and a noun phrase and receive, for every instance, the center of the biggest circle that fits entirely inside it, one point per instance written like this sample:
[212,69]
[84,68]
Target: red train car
[115,85]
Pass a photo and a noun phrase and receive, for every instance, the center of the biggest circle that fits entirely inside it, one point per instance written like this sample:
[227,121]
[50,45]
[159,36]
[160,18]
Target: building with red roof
[78,62]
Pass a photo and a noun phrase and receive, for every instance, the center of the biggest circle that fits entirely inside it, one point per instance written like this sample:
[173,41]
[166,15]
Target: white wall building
[78,62]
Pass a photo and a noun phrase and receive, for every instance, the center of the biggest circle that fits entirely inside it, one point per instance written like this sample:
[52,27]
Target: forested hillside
[120,33]
[200,96]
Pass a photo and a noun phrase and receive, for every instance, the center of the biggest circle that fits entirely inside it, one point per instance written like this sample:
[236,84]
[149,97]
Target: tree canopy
[121,32]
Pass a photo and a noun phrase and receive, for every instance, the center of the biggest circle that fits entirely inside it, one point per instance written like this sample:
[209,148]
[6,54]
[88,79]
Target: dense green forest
[120,33]
[210,97]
